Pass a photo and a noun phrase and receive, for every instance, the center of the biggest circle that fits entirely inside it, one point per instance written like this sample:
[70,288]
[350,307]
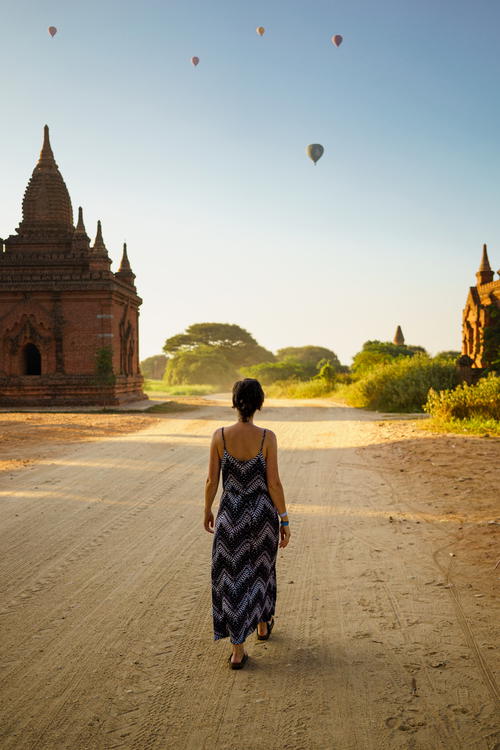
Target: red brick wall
[85,330]
[92,320]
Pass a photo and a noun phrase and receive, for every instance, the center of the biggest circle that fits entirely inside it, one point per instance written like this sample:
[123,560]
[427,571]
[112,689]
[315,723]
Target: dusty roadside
[447,479]
[27,437]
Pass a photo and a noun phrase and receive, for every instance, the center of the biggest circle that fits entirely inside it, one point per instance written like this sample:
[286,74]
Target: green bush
[343,378]
[326,373]
[467,401]
[401,385]
[310,357]
[451,354]
[104,374]
[376,353]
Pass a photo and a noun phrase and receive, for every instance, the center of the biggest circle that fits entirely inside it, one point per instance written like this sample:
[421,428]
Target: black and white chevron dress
[244,549]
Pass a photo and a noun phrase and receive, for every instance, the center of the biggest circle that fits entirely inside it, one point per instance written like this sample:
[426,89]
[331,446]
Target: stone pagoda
[399,339]
[69,326]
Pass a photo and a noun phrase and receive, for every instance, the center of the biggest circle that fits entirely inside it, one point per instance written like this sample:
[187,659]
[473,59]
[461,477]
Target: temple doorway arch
[32,360]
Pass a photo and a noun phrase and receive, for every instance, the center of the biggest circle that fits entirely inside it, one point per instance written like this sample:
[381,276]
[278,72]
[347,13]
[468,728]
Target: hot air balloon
[315,151]
[195,60]
[260,30]
[337,40]
[52,30]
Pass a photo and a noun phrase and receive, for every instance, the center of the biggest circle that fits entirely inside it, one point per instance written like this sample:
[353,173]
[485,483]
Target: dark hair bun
[248,397]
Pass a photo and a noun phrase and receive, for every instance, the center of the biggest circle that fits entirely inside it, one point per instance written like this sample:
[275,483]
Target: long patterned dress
[244,549]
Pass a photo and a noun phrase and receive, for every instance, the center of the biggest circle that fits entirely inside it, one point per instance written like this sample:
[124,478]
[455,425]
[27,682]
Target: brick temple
[69,326]
[477,311]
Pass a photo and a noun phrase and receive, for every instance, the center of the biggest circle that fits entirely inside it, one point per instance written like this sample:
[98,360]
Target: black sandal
[270,626]
[238,664]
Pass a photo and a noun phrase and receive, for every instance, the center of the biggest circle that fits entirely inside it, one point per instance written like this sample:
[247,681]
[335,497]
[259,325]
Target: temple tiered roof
[46,204]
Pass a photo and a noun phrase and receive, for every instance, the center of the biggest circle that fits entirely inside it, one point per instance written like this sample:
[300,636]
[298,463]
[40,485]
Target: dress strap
[262,443]
[223,438]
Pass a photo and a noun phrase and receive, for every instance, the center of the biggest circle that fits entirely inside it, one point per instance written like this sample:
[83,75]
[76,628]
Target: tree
[235,343]
[448,354]
[270,372]
[327,373]
[310,357]
[154,367]
[394,350]
[376,352]
[201,364]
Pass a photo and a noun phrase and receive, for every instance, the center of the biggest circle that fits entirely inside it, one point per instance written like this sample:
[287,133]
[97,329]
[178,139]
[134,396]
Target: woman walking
[247,532]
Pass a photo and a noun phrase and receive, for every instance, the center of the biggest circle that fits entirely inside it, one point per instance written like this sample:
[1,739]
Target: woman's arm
[275,487]
[212,483]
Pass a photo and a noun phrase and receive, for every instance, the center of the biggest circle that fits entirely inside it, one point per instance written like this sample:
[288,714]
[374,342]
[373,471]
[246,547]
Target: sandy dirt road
[385,627]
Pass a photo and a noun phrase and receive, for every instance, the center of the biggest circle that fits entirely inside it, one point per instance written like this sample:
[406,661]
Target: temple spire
[81,240]
[125,272]
[399,339]
[125,263]
[46,154]
[485,273]
[80,227]
[99,242]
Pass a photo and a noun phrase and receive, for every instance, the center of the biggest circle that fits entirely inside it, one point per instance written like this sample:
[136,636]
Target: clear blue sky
[203,170]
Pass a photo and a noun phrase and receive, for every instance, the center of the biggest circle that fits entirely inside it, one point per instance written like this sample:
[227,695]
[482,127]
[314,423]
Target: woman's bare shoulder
[271,436]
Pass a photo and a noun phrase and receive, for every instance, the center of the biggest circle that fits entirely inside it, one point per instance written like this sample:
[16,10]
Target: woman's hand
[208,522]
[284,535]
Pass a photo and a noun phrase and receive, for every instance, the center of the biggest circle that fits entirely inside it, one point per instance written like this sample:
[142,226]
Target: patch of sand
[449,479]
[26,437]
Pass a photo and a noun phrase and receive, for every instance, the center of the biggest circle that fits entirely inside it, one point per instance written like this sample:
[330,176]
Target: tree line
[219,353]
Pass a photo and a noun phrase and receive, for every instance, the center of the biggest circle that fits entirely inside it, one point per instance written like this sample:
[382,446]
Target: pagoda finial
[399,339]
[485,261]
[80,227]
[485,273]
[125,263]
[99,242]
[125,273]
[46,154]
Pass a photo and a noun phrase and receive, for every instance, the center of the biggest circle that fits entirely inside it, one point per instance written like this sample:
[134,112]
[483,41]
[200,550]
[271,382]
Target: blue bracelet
[285,523]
